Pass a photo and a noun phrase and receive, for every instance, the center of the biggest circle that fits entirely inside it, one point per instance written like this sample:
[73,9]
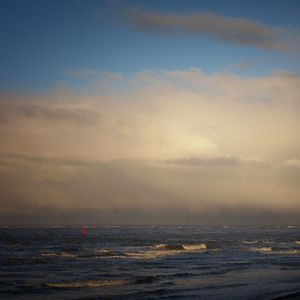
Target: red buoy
[84,231]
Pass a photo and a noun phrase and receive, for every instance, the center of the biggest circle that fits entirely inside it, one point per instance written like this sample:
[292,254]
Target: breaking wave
[196,247]
[59,254]
[161,250]
[250,242]
[146,252]
[109,253]
[186,247]
[262,249]
[274,250]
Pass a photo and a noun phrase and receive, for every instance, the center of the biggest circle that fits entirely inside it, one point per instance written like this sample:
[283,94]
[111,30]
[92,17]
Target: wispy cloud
[93,74]
[51,111]
[223,160]
[223,28]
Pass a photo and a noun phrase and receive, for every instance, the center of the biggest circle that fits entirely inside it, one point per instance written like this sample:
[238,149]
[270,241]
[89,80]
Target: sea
[150,262]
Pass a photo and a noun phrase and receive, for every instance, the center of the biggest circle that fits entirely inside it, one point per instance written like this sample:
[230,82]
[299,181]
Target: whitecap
[109,253]
[278,251]
[159,246]
[250,242]
[195,247]
[149,254]
[180,247]
[59,254]
[286,252]
[262,249]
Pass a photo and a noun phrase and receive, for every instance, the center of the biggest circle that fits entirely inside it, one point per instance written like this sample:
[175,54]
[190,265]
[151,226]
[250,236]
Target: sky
[149,112]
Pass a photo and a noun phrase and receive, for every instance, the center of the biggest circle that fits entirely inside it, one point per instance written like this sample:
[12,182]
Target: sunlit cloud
[173,143]
[292,163]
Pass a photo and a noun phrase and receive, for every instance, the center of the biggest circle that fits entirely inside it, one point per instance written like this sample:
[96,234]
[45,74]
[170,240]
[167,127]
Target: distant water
[150,262]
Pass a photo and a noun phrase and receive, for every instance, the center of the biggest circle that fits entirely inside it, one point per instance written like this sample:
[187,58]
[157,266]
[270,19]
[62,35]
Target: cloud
[50,111]
[93,74]
[162,115]
[206,161]
[227,29]
[294,163]
[216,161]
[174,146]
[247,64]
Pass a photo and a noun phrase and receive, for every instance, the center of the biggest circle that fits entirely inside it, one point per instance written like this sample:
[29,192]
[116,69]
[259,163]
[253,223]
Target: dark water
[150,262]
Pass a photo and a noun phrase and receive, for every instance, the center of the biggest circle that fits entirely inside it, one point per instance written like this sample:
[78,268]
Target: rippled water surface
[150,262]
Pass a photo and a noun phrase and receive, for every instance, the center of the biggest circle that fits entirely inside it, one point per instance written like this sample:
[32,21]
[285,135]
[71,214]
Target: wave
[148,252]
[86,284]
[286,252]
[145,254]
[275,250]
[169,247]
[138,253]
[109,253]
[99,253]
[262,249]
[195,247]
[260,242]
[59,254]
[186,247]
[161,250]
[297,242]
[250,242]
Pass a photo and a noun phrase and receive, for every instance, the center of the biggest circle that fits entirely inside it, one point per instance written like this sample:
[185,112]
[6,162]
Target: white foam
[161,250]
[159,246]
[149,254]
[250,242]
[262,249]
[274,251]
[59,254]
[286,252]
[195,247]
[184,247]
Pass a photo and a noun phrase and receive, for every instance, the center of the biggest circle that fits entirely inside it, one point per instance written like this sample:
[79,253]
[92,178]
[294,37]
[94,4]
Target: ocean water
[150,262]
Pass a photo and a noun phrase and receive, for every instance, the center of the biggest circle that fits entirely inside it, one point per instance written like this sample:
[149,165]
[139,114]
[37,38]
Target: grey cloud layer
[13,111]
[216,161]
[227,29]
